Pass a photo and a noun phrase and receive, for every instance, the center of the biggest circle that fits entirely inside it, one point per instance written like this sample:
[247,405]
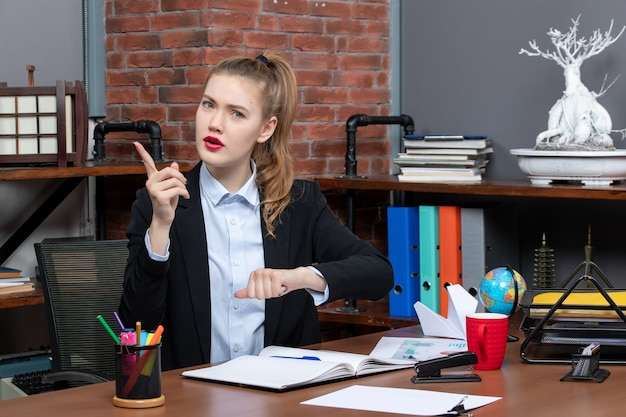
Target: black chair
[81,279]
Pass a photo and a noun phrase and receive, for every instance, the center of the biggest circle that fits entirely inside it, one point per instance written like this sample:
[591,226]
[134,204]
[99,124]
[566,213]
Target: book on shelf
[16,287]
[20,280]
[417,141]
[439,137]
[440,178]
[448,151]
[403,156]
[465,172]
[7,272]
[278,368]
[442,163]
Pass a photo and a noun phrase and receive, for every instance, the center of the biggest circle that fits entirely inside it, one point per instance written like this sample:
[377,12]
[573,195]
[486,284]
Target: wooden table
[526,390]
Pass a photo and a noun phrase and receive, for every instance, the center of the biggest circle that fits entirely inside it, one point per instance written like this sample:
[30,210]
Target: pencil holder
[586,367]
[138,376]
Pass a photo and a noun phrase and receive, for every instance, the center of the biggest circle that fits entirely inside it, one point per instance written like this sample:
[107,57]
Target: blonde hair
[278,88]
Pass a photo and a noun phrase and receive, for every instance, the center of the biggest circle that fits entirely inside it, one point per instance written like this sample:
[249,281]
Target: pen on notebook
[108,329]
[308,358]
[119,321]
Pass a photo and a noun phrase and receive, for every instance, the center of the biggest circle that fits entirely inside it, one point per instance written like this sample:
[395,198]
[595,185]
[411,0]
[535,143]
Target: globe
[497,290]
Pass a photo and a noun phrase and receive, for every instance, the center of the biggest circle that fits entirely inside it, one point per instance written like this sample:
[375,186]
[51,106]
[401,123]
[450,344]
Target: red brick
[315,114]
[330,8]
[361,62]
[311,167]
[128,77]
[248,5]
[148,95]
[300,25]
[325,95]
[328,148]
[313,78]
[122,95]
[231,19]
[225,37]
[339,27]
[312,60]
[326,131]
[368,95]
[371,11]
[355,78]
[266,41]
[149,59]
[299,149]
[166,76]
[185,39]
[121,7]
[266,22]
[123,24]
[143,113]
[313,43]
[173,5]
[197,76]
[115,60]
[283,7]
[182,113]
[378,28]
[164,21]
[187,57]
[138,41]
[179,94]
[362,44]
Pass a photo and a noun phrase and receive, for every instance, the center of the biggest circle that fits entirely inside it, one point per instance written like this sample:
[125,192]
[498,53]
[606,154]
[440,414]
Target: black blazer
[176,293]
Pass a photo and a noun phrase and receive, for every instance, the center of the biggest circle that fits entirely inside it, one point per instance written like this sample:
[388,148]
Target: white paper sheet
[460,304]
[399,400]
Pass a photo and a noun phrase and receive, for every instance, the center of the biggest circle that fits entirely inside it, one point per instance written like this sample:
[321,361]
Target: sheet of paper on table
[399,400]
[417,348]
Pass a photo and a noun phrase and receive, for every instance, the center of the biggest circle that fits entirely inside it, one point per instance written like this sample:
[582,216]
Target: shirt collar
[216,192]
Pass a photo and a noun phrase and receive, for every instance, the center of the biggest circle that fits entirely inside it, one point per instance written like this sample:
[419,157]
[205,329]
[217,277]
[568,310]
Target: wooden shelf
[499,188]
[90,169]
[20,300]
[108,167]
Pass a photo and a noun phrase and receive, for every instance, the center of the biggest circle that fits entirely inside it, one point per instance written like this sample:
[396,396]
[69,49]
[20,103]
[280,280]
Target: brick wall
[160,51]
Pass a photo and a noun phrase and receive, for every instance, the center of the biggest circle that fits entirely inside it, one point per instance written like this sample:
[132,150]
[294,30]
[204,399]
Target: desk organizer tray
[557,322]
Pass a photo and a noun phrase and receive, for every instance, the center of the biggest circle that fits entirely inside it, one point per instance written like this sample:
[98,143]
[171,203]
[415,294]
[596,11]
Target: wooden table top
[526,389]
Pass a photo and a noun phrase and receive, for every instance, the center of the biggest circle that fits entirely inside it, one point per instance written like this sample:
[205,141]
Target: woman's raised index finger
[146,158]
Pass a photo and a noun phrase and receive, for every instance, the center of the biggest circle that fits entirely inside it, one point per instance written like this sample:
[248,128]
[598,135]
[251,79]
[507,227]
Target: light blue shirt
[235,246]
[235,249]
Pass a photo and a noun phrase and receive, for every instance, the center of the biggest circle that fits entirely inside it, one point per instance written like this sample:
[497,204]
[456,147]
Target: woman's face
[229,123]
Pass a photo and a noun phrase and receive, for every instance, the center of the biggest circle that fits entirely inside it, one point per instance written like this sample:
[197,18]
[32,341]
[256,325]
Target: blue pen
[308,358]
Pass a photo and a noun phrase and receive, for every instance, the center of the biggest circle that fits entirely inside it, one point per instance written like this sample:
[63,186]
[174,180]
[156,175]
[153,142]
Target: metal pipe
[150,127]
[357,120]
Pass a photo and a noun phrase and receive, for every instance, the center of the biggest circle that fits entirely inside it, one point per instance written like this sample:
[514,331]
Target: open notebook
[279,368]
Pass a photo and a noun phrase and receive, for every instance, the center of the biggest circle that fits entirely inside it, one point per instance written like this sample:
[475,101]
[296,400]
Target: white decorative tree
[576,121]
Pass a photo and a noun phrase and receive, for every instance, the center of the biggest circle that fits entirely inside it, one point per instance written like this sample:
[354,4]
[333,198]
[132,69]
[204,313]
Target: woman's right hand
[165,186]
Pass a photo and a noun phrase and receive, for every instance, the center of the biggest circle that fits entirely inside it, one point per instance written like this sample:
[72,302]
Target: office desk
[527,390]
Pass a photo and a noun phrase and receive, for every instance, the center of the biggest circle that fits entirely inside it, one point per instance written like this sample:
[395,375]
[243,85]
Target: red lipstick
[213,143]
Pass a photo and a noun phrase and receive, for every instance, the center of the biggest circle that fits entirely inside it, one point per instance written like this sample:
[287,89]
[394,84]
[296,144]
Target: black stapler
[430,370]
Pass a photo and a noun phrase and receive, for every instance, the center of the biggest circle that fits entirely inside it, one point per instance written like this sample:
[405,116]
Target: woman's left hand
[269,283]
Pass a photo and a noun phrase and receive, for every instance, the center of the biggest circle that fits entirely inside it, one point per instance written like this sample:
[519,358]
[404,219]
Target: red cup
[486,337]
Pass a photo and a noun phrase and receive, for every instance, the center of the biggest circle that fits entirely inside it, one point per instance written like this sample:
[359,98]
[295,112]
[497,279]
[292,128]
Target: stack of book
[443,158]
[12,281]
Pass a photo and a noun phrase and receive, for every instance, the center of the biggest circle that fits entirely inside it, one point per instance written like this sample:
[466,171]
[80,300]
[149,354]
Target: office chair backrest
[81,280]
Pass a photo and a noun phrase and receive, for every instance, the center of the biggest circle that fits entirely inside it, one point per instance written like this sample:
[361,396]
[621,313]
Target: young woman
[237,254]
